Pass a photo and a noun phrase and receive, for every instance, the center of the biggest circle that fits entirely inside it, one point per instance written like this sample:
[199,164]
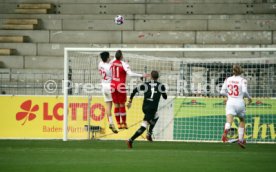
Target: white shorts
[106,90]
[235,108]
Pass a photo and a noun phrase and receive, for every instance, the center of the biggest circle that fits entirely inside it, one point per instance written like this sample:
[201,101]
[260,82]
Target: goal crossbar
[172,49]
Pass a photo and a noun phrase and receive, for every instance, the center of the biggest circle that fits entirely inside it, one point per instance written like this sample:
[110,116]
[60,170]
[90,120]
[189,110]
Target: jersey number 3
[233,90]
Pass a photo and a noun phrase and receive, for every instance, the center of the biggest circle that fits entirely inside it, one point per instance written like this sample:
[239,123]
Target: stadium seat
[5,51]
[34,8]
[20,24]
[11,39]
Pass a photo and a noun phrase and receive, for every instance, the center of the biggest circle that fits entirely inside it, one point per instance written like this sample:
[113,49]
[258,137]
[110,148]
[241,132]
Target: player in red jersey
[120,70]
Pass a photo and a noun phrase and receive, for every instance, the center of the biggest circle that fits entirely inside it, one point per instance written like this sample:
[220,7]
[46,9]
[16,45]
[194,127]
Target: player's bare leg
[229,120]
[241,131]
[108,112]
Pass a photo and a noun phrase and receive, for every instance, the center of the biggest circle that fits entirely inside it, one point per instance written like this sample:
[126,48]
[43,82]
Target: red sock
[226,131]
[123,114]
[123,119]
[117,115]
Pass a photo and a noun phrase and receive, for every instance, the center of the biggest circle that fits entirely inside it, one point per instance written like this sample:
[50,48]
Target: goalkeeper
[152,93]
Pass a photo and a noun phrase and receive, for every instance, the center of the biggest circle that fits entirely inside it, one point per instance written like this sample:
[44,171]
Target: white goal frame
[68,49]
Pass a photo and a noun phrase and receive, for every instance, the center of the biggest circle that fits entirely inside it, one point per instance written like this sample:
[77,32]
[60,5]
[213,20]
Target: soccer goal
[195,111]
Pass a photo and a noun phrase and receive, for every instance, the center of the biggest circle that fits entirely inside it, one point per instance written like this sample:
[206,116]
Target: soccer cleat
[242,143]
[120,126]
[224,136]
[112,128]
[129,144]
[232,140]
[149,138]
[124,126]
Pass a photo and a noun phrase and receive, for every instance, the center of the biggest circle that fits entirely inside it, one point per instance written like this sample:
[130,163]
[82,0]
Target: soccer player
[104,69]
[120,70]
[152,93]
[235,88]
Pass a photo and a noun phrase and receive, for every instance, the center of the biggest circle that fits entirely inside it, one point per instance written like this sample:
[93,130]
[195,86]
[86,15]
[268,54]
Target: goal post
[195,111]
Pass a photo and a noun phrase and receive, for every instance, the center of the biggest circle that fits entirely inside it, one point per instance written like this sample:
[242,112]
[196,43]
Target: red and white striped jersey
[120,70]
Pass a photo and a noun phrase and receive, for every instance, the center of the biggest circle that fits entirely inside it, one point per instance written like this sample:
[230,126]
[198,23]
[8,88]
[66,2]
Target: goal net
[194,111]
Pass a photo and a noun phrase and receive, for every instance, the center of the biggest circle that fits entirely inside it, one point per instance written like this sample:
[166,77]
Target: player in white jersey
[235,88]
[105,72]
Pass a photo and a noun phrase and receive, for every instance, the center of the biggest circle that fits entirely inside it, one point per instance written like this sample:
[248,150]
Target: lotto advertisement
[41,117]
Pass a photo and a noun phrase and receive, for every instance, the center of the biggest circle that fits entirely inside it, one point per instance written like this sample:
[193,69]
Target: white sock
[110,120]
[227,126]
[241,133]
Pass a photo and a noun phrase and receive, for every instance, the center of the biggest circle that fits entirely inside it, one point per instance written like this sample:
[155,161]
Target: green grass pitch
[113,156]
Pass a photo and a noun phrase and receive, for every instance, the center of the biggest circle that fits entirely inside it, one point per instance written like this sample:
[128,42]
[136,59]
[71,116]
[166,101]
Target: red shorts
[118,93]
[119,97]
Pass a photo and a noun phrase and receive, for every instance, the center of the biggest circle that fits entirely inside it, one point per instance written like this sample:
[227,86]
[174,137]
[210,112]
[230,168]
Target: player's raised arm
[132,74]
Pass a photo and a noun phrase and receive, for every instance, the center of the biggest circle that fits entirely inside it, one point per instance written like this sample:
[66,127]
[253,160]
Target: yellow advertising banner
[41,117]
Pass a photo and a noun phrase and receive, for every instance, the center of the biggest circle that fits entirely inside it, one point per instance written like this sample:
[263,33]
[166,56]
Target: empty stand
[11,38]
[20,24]
[5,51]
[34,8]
[36,32]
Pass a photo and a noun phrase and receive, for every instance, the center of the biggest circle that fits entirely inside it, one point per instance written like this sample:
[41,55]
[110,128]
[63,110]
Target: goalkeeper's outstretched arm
[137,89]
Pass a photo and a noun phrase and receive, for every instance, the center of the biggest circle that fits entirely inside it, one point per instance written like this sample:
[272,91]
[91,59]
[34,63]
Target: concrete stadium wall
[152,6]
[148,23]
